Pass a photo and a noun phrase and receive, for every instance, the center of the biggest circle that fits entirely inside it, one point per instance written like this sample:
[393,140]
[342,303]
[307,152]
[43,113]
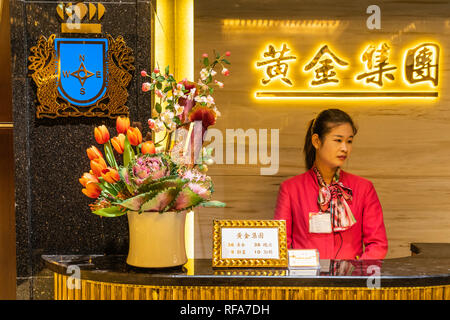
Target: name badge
[319,222]
[304,258]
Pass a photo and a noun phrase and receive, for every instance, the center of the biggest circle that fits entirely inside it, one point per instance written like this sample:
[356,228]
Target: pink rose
[144,73]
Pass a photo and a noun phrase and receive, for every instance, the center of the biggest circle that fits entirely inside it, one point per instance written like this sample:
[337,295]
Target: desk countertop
[429,265]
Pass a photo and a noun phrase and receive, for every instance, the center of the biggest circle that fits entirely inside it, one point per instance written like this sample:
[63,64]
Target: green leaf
[167,70]
[110,212]
[161,200]
[128,153]
[186,199]
[177,120]
[212,204]
[160,79]
[159,85]
[158,107]
[211,90]
[136,202]
[111,189]
[206,62]
[110,155]
[122,172]
[161,184]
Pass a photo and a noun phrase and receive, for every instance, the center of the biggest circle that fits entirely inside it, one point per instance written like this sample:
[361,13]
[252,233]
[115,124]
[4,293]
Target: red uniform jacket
[297,197]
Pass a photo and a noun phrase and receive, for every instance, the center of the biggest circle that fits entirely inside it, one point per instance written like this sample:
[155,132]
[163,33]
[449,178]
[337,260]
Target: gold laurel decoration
[52,105]
[218,261]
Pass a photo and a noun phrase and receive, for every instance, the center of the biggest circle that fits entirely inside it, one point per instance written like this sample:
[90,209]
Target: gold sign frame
[218,261]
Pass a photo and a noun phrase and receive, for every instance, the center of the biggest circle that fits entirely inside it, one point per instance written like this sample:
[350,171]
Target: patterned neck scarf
[333,198]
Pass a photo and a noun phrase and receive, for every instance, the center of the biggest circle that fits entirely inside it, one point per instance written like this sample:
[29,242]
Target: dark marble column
[52,215]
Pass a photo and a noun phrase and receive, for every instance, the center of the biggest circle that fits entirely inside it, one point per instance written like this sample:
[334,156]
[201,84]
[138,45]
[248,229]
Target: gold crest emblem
[45,65]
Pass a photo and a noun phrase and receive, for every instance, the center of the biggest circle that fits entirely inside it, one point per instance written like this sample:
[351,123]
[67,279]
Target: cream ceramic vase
[156,239]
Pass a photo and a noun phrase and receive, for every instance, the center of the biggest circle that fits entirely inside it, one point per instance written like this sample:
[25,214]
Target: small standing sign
[249,243]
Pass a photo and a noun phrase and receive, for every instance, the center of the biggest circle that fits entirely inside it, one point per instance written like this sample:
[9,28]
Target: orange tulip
[134,136]
[119,143]
[101,134]
[122,124]
[86,178]
[92,190]
[110,175]
[97,165]
[148,147]
[93,153]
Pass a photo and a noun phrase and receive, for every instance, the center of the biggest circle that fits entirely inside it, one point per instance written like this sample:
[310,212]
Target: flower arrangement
[154,177]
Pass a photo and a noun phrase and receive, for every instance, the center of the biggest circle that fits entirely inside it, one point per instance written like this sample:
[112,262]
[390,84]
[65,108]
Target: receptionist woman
[327,208]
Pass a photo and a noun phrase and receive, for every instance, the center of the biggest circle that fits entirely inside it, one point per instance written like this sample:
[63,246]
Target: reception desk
[423,275]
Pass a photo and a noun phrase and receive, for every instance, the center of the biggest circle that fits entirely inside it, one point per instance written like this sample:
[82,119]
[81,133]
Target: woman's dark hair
[322,124]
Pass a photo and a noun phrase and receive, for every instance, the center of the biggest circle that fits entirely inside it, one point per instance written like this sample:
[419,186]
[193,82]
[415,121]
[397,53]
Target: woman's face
[335,147]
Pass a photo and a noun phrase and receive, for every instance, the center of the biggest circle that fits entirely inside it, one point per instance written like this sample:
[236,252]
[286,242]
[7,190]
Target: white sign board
[250,243]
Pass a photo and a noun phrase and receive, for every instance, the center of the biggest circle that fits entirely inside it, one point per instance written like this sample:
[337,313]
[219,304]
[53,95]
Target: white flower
[220,84]
[179,93]
[159,125]
[213,73]
[209,100]
[178,109]
[172,125]
[167,116]
[204,74]
[201,99]
[216,111]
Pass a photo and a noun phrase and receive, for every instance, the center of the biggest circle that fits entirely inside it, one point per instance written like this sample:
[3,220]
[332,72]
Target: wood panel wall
[403,145]
[7,221]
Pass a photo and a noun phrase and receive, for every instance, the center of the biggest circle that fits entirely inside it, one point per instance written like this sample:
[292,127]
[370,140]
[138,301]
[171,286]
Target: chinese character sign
[250,243]
[375,65]
[275,64]
[324,73]
[422,64]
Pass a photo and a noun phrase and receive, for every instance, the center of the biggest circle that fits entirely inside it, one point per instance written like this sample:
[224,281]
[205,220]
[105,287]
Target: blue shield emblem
[82,69]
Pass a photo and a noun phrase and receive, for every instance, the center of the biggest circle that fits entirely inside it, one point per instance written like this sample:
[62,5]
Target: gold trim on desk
[6,125]
[94,290]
